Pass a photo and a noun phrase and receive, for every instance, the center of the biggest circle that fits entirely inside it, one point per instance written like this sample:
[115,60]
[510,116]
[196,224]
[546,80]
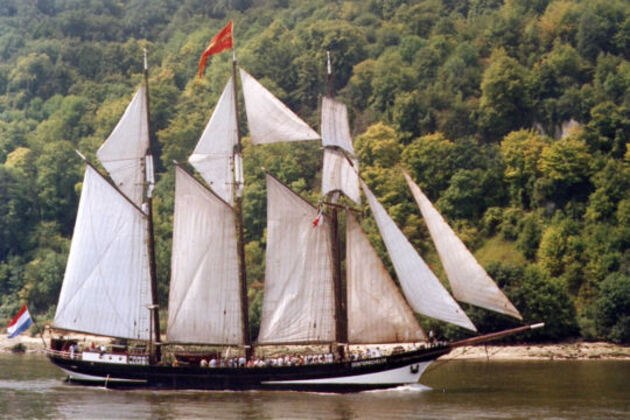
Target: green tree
[504,104]
[58,173]
[565,169]
[521,151]
[613,309]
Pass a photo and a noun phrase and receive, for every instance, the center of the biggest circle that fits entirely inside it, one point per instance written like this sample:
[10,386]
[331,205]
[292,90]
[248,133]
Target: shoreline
[561,351]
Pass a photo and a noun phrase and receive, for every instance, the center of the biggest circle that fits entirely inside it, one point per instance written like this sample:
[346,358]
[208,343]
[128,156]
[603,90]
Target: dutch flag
[20,323]
[319,220]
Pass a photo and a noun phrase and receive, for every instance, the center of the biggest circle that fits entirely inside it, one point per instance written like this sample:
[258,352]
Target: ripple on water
[39,385]
[409,388]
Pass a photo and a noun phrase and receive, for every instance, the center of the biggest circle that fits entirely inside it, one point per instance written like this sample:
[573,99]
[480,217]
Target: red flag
[221,42]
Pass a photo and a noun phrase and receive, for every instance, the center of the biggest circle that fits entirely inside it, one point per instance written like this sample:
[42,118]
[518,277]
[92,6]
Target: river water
[30,387]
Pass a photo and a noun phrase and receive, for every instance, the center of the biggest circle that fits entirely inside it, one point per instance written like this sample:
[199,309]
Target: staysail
[123,153]
[298,304]
[369,286]
[469,281]
[422,288]
[204,300]
[270,120]
[106,287]
[212,156]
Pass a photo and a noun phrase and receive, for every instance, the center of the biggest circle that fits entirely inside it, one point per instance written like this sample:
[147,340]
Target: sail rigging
[422,288]
[469,281]
[123,153]
[204,299]
[370,286]
[298,304]
[106,286]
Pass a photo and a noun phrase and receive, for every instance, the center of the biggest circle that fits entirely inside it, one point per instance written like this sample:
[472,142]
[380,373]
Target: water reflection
[32,387]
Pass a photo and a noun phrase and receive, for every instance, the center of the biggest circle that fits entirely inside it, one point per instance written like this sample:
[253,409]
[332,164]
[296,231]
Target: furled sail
[204,299]
[339,174]
[298,304]
[212,156]
[335,128]
[422,288]
[469,281]
[370,286]
[124,151]
[268,118]
[106,287]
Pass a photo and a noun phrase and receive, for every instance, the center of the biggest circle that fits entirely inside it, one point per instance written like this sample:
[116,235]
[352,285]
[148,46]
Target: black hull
[378,373]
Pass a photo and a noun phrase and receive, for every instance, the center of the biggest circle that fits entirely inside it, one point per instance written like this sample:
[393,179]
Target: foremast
[149,186]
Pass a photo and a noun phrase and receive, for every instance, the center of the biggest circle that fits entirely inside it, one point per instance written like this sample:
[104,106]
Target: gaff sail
[204,299]
[298,304]
[106,287]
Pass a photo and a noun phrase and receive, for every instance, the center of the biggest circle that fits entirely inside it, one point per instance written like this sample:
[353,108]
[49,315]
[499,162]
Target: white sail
[469,281]
[298,304]
[339,174]
[269,120]
[106,288]
[335,128]
[377,313]
[124,151]
[212,156]
[422,288]
[204,297]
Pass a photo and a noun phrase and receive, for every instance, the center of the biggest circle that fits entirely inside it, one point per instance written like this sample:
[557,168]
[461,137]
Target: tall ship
[310,301]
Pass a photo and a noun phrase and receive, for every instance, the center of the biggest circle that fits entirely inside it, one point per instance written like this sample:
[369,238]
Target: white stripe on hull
[403,375]
[91,378]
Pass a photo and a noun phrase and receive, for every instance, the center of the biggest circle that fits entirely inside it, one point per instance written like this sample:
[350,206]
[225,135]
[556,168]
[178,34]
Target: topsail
[335,128]
[123,153]
[212,156]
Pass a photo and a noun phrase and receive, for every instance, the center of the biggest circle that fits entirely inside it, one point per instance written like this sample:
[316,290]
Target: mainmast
[237,172]
[150,183]
[341,315]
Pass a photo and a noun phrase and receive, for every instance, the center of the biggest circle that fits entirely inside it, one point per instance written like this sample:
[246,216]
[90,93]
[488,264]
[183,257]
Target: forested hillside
[514,118]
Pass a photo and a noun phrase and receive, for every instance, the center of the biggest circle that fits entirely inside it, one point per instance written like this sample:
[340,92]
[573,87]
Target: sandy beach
[562,351]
